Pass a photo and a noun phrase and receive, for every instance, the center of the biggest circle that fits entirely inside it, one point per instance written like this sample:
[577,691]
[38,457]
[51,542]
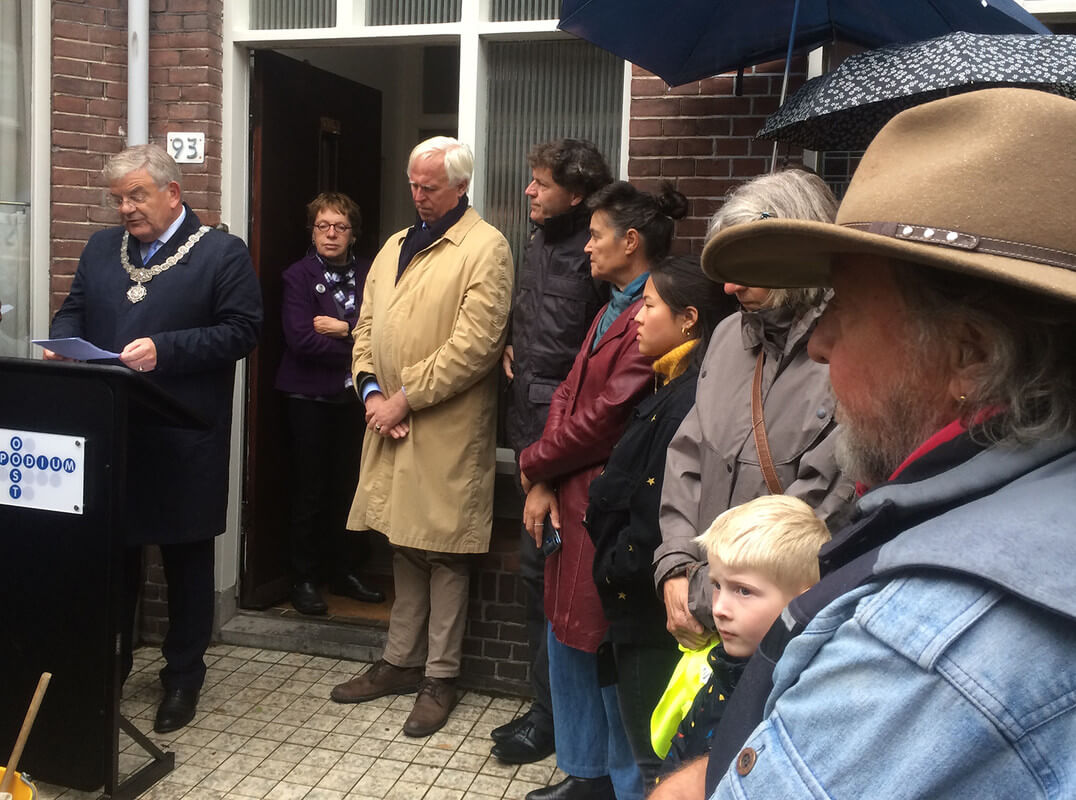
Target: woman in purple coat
[322,295]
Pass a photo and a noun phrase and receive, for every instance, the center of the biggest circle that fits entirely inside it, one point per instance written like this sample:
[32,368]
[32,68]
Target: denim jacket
[952,674]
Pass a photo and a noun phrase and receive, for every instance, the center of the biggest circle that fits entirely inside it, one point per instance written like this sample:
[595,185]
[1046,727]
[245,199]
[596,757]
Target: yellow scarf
[674,363]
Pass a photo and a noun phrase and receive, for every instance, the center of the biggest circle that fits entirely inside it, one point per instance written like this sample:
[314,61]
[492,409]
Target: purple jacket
[314,364]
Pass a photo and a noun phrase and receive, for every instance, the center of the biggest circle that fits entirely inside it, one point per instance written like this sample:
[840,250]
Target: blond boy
[761,555]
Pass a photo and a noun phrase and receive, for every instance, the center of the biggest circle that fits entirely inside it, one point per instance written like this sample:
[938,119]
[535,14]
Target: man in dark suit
[180,302]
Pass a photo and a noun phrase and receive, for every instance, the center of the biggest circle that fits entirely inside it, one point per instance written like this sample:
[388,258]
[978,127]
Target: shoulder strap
[758,428]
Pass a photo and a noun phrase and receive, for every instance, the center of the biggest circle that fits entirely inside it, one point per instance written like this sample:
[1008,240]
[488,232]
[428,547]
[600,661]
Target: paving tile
[489,784]
[405,790]
[254,786]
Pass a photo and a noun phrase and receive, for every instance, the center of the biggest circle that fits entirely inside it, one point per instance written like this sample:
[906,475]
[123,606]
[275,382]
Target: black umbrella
[846,108]
[684,40]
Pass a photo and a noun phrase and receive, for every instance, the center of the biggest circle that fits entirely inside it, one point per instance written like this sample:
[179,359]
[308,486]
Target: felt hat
[982,183]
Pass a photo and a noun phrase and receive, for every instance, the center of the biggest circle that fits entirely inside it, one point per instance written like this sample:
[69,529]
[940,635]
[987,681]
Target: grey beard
[872,456]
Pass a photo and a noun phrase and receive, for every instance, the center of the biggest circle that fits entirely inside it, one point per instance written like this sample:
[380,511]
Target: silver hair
[788,194]
[151,157]
[459,160]
[1027,369]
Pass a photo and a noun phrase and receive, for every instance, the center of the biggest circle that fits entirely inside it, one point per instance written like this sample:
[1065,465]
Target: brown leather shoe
[381,679]
[436,699]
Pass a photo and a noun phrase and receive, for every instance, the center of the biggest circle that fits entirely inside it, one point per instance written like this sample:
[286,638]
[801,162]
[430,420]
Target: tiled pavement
[266,728]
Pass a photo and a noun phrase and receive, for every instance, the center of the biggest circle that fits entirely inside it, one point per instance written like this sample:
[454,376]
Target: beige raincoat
[439,333]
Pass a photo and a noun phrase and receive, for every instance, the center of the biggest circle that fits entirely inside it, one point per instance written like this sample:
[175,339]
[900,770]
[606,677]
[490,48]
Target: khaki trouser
[430,610]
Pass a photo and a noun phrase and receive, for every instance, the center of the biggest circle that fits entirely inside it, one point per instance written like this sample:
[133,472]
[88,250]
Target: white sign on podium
[42,471]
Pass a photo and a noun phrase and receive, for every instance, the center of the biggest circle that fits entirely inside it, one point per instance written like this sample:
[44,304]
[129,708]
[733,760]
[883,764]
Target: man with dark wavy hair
[555,302]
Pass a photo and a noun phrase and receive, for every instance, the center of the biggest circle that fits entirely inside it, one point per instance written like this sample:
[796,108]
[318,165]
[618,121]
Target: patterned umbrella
[844,109]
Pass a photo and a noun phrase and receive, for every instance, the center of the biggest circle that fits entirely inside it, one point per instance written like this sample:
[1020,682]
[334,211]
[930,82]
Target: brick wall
[700,136]
[89,110]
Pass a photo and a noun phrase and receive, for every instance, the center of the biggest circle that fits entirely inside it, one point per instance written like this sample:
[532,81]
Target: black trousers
[326,445]
[532,575]
[188,569]
[643,672]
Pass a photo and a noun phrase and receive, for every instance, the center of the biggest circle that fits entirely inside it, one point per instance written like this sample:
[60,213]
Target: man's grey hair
[1025,382]
[151,157]
[788,194]
[459,160]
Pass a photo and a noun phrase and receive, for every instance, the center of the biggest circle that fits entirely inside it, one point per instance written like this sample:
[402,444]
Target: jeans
[643,673]
[532,576]
[589,734]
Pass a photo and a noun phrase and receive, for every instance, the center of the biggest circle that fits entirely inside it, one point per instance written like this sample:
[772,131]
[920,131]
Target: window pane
[518,10]
[277,14]
[540,91]
[413,12]
[15,76]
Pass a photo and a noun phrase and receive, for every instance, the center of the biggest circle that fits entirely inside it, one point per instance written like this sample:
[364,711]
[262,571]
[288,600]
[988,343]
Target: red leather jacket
[587,416]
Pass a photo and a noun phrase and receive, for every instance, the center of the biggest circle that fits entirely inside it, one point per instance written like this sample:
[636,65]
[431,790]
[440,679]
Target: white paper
[4,309]
[75,347]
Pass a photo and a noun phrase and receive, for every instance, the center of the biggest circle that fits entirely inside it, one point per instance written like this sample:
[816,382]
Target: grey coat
[712,464]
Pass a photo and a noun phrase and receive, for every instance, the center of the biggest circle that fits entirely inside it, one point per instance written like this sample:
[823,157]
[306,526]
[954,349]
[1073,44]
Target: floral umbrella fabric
[844,109]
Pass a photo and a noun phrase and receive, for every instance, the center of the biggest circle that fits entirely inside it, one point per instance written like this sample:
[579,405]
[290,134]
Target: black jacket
[622,517]
[203,315]
[556,300]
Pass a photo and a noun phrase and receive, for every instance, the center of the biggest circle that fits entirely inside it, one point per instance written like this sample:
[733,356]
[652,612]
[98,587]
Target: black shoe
[528,744]
[508,729]
[307,599]
[351,586]
[576,789]
[176,710]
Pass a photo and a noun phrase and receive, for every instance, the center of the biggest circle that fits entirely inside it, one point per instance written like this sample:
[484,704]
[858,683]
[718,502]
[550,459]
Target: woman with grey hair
[758,392]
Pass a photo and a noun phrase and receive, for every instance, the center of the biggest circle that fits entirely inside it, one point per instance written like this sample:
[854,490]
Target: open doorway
[327,118]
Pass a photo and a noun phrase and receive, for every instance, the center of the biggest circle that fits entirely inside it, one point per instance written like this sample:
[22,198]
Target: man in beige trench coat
[430,332]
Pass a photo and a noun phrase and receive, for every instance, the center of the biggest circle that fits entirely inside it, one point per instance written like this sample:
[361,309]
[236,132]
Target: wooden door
[311,131]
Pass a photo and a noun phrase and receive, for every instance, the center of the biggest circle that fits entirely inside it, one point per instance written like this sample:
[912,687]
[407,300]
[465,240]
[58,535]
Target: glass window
[277,14]
[519,10]
[413,12]
[15,178]
[540,91]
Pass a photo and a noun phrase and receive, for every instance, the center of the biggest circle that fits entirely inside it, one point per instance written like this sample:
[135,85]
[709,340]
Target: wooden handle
[24,732]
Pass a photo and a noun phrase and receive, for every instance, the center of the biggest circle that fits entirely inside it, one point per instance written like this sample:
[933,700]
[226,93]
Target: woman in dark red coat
[630,230]
[322,295]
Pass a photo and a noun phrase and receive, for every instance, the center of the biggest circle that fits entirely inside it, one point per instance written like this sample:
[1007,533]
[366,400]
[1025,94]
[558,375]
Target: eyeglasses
[135,198]
[339,227]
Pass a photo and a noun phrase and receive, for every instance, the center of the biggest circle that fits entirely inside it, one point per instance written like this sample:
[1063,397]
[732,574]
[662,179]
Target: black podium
[64,430]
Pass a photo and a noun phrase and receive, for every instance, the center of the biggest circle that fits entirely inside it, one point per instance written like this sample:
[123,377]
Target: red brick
[196,22]
[189,39]
[78,13]
[72,105]
[691,227]
[116,91]
[747,126]
[685,89]
[72,30]
[655,107]
[720,85]
[695,147]
[166,93]
[159,57]
[643,167]
[77,160]
[69,213]
[71,122]
[83,195]
[678,126]
[107,108]
[764,106]
[81,87]
[185,6]
[702,187]
[166,22]
[201,57]
[70,67]
[652,147]
[713,126]
[749,167]
[84,51]
[647,87]
[108,72]
[73,230]
[675,167]
[758,84]
[732,146]
[103,215]
[203,93]
[712,167]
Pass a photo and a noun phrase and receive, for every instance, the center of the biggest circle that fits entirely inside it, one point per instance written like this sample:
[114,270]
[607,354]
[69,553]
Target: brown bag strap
[758,427]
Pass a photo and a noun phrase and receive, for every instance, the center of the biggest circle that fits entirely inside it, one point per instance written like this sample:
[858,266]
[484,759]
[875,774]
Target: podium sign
[42,470]
[63,477]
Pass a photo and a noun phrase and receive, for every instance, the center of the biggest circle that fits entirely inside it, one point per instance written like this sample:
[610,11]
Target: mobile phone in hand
[550,538]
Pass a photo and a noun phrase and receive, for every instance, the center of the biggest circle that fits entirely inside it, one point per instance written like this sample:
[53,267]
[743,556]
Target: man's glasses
[339,227]
[135,198]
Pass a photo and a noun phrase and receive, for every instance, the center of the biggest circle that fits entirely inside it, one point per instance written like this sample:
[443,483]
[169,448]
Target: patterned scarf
[341,284]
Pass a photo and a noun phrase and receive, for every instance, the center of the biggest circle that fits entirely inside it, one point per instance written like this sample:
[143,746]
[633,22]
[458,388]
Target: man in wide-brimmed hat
[937,651]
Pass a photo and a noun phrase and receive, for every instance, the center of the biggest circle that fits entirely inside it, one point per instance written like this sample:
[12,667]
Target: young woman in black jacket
[681,308]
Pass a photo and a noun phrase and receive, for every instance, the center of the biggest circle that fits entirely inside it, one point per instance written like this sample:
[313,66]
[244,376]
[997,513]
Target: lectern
[64,429]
